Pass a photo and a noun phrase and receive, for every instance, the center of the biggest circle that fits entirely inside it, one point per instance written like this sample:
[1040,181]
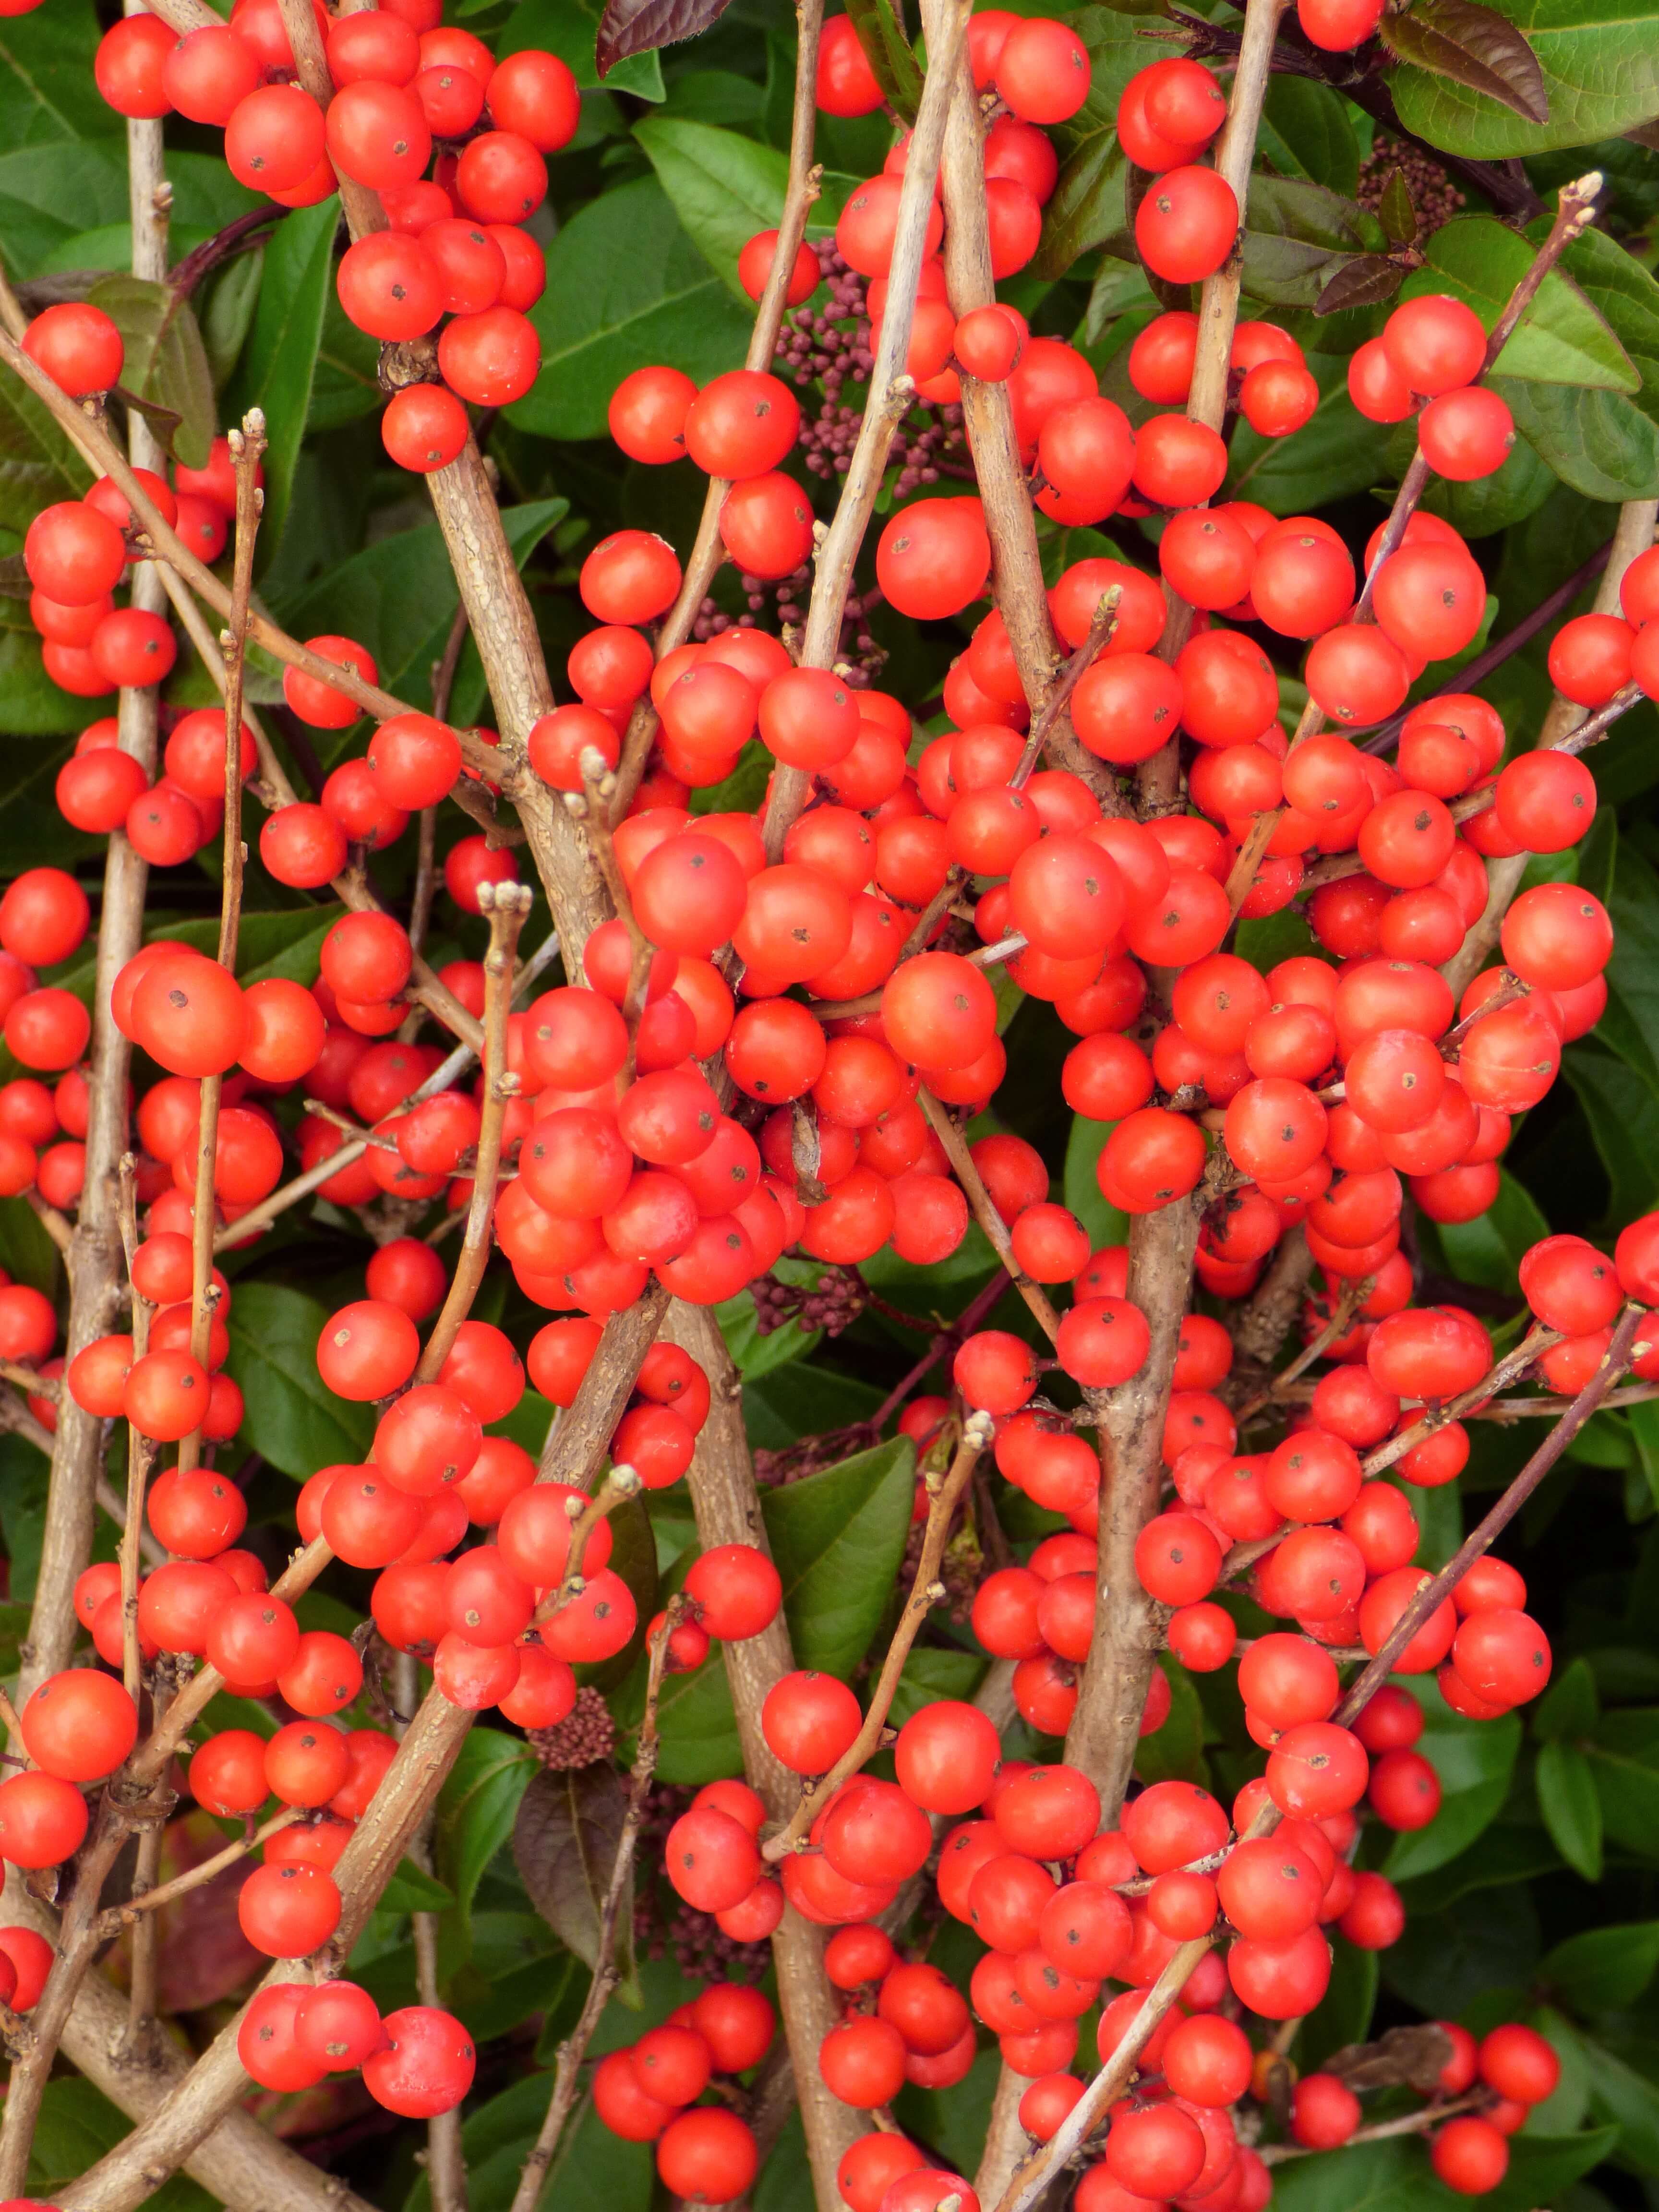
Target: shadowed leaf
[639,27]
[564,1845]
[1473,46]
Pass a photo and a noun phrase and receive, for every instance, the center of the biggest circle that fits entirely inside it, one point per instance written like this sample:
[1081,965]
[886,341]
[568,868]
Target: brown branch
[892,391]
[944,1492]
[151,1900]
[579,1439]
[1047,719]
[141,1451]
[574,2049]
[1273,1307]
[945,1129]
[121,2181]
[723,1498]
[506,905]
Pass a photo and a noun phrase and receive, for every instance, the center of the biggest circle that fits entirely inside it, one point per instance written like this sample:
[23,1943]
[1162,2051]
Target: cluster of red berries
[1594,656]
[402,84]
[1424,363]
[648,2092]
[417,2061]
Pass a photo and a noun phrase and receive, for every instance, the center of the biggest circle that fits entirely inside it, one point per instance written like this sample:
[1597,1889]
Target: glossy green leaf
[38,465]
[411,1889]
[1475,1760]
[568,29]
[1296,235]
[799,1400]
[625,284]
[1306,132]
[1343,2015]
[1600,76]
[1086,208]
[477,1807]
[591,2171]
[695,1719]
[1082,1192]
[1561,340]
[723,188]
[1627,2095]
[77,2125]
[1489,1249]
[1623,1753]
[1509,495]
[881,37]
[1571,1706]
[1600,443]
[166,361]
[1623,1113]
[281,363]
[1394,2176]
[931,1671]
[293,1419]
[1603,1969]
[1473,46]
[47,95]
[838,1537]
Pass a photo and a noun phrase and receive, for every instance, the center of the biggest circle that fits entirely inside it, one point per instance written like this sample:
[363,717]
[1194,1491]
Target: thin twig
[891,393]
[567,2072]
[944,1492]
[944,1127]
[506,905]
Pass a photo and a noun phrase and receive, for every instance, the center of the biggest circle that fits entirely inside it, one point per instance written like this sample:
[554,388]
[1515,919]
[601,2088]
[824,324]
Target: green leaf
[26,1252]
[1570,1707]
[1510,494]
[1623,1753]
[723,188]
[226,309]
[1335,454]
[77,2125]
[1621,289]
[1600,76]
[1447,1959]
[1086,208]
[838,1537]
[25,1474]
[1081,1189]
[1603,1969]
[1296,235]
[1623,1114]
[1396,212]
[477,1807]
[412,1890]
[696,1721]
[166,361]
[565,1839]
[1306,132]
[1473,46]
[1489,1249]
[568,28]
[276,374]
[797,1401]
[1600,443]
[1561,338]
[38,465]
[625,284]
[931,1672]
[1394,2176]
[293,1419]
[1627,2098]
[753,1354]
[887,51]
[1475,1760]
[591,2171]
[47,95]
[398,597]
[1343,2014]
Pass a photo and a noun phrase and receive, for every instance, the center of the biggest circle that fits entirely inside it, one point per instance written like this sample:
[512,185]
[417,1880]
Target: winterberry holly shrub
[829,1107]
